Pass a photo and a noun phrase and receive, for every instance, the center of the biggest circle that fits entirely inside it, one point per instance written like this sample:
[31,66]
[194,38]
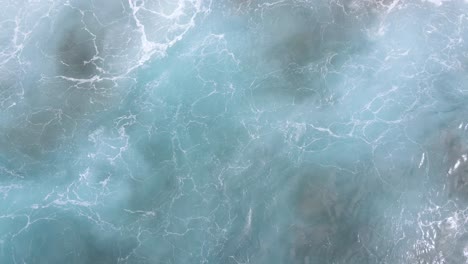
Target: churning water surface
[229,131]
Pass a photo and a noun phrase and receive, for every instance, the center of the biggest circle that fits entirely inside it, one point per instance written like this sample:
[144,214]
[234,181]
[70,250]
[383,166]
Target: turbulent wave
[196,131]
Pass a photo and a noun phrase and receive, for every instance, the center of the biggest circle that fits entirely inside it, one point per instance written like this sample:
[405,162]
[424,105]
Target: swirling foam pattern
[253,131]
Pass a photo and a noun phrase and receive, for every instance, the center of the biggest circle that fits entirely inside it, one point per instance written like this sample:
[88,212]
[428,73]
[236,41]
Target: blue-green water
[197,131]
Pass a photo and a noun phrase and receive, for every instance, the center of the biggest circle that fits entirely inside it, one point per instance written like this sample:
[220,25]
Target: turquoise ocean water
[229,131]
